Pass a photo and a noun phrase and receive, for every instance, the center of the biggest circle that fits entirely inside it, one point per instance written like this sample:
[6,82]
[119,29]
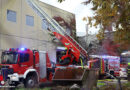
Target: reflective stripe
[101,65]
[128,70]
[81,63]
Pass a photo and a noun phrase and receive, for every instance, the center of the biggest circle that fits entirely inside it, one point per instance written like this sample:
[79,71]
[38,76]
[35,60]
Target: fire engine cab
[25,65]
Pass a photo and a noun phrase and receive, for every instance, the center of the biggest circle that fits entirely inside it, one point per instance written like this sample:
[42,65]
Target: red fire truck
[106,64]
[31,67]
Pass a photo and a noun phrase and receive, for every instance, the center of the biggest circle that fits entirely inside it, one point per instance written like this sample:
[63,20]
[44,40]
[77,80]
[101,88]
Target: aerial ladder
[72,45]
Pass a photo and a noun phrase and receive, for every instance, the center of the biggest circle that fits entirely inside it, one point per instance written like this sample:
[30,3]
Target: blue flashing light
[12,49]
[22,49]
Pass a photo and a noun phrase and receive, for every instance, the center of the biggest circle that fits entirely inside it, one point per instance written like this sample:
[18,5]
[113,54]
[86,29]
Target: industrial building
[21,26]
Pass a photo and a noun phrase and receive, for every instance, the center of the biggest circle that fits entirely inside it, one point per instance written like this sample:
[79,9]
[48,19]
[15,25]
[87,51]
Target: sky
[80,11]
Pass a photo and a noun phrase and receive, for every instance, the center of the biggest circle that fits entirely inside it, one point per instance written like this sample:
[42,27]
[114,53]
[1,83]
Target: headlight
[14,77]
[2,82]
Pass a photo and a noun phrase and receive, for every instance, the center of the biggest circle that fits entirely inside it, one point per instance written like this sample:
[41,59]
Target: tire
[30,81]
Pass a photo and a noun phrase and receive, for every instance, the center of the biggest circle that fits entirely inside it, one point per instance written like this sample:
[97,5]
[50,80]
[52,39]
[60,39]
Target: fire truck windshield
[125,59]
[128,59]
[9,58]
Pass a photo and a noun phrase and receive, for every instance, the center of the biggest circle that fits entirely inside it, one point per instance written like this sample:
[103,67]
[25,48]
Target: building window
[29,20]
[51,28]
[68,31]
[45,24]
[11,15]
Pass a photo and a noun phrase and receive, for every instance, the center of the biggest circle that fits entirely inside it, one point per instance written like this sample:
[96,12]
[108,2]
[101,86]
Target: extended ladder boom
[55,26]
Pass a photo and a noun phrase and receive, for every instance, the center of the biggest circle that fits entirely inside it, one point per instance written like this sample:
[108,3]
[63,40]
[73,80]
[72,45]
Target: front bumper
[14,77]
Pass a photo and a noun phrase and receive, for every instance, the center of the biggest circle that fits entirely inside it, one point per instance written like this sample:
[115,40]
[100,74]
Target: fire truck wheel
[30,82]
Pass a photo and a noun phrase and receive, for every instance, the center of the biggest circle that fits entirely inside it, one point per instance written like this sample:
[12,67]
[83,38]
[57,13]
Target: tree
[70,25]
[112,15]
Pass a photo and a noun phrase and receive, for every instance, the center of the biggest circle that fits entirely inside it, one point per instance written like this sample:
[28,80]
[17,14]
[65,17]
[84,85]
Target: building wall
[66,16]
[18,34]
[54,11]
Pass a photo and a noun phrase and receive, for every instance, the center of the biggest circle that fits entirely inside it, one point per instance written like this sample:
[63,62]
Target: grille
[5,72]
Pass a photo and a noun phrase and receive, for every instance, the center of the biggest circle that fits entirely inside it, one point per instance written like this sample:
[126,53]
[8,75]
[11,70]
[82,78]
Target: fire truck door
[42,62]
